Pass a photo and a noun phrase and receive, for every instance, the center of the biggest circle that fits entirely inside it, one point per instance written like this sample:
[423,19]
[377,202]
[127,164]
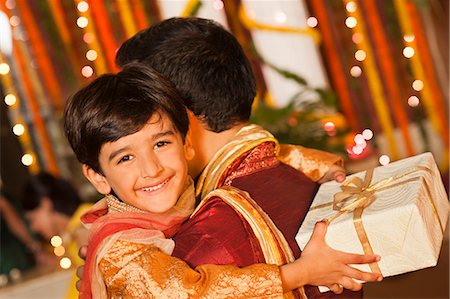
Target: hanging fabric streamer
[15,117]
[386,64]
[336,68]
[104,32]
[35,113]
[41,54]
[419,73]
[375,85]
[427,63]
[63,30]
[252,24]
[139,14]
[190,8]
[127,18]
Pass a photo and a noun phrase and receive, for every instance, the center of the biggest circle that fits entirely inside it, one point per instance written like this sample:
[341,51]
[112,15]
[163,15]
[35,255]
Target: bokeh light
[56,241]
[27,159]
[413,101]
[417,85]
[18,129]
[10,99]
[65,263]
[408,52]
[384,160]
[312,22]
[355,71]
[351,22]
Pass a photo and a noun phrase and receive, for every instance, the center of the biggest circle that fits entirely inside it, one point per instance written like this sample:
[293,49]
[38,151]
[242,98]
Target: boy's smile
[147,169]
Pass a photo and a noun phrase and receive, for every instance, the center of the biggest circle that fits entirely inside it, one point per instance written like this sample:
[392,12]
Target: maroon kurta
[216,234]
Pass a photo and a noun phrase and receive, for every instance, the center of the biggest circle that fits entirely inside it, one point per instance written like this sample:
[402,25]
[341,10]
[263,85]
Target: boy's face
[147,169]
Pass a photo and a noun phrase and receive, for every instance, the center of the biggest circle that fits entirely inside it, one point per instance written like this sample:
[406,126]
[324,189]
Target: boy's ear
[97,180]
[189,151]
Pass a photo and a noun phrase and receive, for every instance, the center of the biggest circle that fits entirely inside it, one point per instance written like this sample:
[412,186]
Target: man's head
[129,129]
[205,63]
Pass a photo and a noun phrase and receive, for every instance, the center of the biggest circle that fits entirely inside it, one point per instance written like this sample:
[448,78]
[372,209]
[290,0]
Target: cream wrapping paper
[404,217]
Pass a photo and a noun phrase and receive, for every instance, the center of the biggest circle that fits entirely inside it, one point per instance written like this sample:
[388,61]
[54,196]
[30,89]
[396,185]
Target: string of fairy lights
[97,63]
[98,39]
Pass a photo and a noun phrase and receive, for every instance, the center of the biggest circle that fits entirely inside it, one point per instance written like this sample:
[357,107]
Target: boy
[128,130]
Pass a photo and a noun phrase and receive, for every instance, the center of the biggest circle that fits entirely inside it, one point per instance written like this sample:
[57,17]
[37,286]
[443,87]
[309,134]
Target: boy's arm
[134,270]
[317,165]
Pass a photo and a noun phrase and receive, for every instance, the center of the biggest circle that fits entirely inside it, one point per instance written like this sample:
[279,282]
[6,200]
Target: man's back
[216,234]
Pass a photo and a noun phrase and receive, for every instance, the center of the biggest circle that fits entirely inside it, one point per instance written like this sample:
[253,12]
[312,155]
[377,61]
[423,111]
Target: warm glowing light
[88,38]
[357,150]
[82,6]
[413,101]
[384,160]
[360,55]
[280,17]
[357,38]
[65,263]
[368,134]
[355,71]
[56,241]
[10,4]
[14,21]
[4,68]
[87,71]
[351,22]
[10,99]
[91,55]
[409,38]
[408,52]
[350,6]
[82,22]
[27,159]
[417,85]
[59,251]
[312,22]
[18,129]
[329,126]
[359,139]
[218,5]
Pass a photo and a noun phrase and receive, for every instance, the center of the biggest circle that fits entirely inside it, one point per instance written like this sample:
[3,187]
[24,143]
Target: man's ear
[189,151]
[97,180]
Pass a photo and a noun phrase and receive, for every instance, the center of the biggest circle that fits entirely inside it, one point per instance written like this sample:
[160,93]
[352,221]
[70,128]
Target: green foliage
[301,120]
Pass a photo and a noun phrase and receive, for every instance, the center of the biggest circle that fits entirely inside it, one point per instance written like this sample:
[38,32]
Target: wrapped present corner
[398,211]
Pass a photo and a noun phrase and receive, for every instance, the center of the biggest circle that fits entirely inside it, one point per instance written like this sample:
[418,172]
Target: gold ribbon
[361,194]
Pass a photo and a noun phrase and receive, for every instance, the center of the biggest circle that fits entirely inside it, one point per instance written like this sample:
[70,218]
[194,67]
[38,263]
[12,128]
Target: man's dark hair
[60,192]
[205,63]
[117,105]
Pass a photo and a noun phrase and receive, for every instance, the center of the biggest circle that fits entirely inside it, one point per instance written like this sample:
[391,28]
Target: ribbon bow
[357,190]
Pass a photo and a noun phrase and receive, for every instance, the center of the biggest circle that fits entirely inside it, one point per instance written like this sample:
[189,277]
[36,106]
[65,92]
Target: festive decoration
[376,54]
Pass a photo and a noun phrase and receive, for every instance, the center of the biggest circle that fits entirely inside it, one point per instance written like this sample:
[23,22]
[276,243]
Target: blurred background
[366,79]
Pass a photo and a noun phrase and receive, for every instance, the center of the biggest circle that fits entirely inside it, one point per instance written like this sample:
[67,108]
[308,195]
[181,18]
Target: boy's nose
[151,167]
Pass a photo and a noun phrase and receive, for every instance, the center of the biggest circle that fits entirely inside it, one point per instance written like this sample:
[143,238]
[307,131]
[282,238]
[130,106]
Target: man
[208,67]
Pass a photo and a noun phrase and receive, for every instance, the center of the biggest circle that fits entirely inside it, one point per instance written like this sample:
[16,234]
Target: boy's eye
[160,144]
[125,158]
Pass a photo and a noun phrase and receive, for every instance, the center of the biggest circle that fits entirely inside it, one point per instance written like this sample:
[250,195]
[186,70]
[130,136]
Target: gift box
[398,211]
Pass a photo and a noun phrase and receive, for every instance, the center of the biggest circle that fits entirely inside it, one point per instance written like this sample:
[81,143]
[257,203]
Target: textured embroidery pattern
[262,156]
[133,270]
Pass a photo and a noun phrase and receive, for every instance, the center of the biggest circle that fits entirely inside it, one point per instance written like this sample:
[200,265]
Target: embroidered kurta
[216,234]
[129,257]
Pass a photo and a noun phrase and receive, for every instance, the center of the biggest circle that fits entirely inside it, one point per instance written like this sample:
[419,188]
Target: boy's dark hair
[205,63]
[117,105]
[60,192]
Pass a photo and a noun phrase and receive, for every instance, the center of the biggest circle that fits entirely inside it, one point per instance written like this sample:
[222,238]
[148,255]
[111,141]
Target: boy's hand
[336,173]
[82,254]
[329,267]
[320,265]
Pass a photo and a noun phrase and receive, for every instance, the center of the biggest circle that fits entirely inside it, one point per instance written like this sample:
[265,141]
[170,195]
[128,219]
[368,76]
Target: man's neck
[210,143]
